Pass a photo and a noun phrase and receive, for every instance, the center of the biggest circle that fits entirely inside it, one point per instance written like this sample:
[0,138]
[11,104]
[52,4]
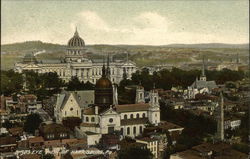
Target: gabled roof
[203,84]
[132,107]
[83,98]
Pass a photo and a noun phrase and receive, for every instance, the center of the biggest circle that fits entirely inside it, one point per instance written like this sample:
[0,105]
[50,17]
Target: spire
[203,76]
[103,69]
[108,68]
[76,32]
[203,66]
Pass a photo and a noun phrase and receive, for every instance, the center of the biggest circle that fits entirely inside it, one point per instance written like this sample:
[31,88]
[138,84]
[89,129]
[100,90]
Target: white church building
[99,119]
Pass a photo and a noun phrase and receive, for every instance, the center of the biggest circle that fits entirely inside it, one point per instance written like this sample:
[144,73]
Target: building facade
[75,63]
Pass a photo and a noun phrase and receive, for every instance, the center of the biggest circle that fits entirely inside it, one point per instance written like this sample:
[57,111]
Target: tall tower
[139,94]
[220,119]
[154,109]
[203,75]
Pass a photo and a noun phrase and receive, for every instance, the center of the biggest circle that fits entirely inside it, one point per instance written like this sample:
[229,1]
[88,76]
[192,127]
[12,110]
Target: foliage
[11,82]
[32,123]
[196,127]
[74,84]
[134,152]
[166,79]
[43,85]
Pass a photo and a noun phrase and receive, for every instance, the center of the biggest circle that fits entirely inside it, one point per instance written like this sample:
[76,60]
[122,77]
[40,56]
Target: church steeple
[203,75]
[108,68]
[103,69]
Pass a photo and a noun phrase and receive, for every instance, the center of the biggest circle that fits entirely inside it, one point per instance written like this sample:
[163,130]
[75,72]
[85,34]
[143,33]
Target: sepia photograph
[125,79]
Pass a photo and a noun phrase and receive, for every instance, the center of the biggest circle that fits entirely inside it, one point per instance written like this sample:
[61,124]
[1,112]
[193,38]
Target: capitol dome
[76,41]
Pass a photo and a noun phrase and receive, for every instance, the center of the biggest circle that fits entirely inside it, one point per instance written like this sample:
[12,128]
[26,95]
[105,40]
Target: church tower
[220,119]
[203,75]
[104,90]
[154,110]
[139,94]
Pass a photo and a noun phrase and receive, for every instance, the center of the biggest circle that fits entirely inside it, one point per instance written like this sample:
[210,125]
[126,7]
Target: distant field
[141,55]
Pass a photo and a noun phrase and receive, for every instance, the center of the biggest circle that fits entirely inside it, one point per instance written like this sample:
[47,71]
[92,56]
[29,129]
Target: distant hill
[210,45]
[141,54]
[33,46]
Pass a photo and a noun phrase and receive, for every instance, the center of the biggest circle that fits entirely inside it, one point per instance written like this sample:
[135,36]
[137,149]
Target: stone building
[75,63]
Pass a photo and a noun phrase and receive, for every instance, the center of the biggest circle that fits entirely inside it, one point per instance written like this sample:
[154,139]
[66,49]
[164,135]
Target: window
[92,119]
[128,130]
[143,115]
[134,130]
[77,112]
[155,99]
[111,120]
[140,95]
[125,116]
[121,131]
[71,109]
[137,115]
[65,112]
[131,116]
[87,119]
[140,129]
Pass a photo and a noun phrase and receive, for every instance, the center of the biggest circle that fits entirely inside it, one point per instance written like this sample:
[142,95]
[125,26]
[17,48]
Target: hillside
[141,54]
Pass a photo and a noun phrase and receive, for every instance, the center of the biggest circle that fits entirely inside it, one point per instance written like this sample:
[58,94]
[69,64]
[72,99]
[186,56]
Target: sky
[126,22]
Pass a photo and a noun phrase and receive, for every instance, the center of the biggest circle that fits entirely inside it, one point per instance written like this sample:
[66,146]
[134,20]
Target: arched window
[125,116]
[121,131]
[65,112]
[131,116]
[77,112]
[155,99]
[137,115]
[140,129]
[87,119]
[134,130]
[128,130]
[92,119]
[143,115]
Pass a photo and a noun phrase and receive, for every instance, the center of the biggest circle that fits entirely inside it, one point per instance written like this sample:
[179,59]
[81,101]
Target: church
[200,86]
[75,63]
[103,115]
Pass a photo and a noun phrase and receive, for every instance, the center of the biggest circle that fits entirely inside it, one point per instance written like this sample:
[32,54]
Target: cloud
[147,28]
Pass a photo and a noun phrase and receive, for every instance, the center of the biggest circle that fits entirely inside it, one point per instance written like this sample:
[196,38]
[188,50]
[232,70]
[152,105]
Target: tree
[135,152]
[74,84]
[32,123]
[11,82]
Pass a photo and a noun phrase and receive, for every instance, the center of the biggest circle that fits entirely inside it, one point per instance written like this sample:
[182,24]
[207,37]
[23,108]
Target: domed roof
[76,41]
[103,82]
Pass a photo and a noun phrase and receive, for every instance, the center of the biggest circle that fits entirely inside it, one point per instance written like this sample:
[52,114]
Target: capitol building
[75,63]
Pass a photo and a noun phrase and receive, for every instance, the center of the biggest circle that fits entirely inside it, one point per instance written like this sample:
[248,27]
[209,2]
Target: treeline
[179,78]
[41,84]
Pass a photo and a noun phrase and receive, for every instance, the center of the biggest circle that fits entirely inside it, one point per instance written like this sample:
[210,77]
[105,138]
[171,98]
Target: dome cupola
[76,41]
